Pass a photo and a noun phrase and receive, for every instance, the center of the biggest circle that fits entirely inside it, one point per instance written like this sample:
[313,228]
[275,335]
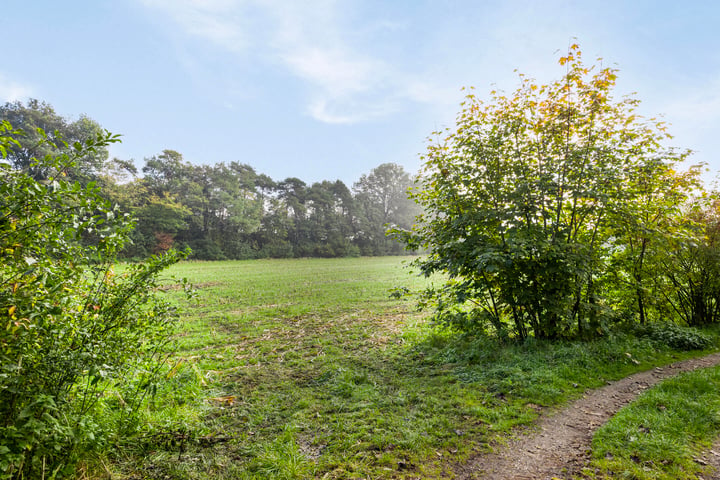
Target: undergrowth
[674,336]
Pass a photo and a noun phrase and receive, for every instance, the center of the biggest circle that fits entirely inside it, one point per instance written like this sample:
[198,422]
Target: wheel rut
[559,446]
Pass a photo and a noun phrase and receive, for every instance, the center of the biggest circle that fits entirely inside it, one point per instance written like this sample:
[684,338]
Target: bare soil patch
[560,445]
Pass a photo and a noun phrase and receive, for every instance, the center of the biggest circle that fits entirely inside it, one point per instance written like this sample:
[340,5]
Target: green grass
[663,433]
[308,369]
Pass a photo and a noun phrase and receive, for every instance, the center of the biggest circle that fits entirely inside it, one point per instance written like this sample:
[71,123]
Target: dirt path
[561,445]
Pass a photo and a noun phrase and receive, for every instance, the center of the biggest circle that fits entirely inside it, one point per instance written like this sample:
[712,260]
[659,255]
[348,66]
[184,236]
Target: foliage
[548,209]
[41,131]
[222,210]
[674,336]
[693,272]
[229,211]
[71,327]
[382,198]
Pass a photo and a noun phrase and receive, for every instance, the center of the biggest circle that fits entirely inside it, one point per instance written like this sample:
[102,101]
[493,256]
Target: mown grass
[664,433]
[309,369]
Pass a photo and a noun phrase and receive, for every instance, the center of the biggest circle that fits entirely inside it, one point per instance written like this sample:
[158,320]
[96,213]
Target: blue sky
[325,90]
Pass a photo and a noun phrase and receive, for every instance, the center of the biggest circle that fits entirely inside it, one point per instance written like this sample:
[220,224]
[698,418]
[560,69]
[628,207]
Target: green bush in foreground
[69,327]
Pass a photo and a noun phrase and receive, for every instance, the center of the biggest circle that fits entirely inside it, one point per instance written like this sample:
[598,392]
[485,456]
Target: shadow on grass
[315,398]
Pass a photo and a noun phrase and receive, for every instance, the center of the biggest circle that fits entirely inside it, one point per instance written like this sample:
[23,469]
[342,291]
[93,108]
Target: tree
[645,225]
[329,222]
[71,328]
[234,208]
[382,200]
[693,272]
[522,201]
[41,131]
[292,193]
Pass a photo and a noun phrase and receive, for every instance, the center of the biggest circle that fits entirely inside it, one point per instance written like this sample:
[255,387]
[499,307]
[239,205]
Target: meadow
[309,368]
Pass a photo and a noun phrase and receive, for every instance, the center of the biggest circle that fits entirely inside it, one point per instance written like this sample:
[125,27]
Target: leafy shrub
[514,197]
[674,336]
[69,326]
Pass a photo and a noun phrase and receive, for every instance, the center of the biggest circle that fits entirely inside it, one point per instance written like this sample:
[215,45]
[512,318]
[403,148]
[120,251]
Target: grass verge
[663,434]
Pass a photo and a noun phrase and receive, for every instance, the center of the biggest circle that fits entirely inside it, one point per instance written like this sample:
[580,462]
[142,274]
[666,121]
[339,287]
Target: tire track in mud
[559,446]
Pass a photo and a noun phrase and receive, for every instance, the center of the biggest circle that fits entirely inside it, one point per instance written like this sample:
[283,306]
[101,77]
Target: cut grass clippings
[309,369]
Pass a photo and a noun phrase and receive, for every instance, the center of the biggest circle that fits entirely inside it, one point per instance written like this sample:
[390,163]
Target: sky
[325,89]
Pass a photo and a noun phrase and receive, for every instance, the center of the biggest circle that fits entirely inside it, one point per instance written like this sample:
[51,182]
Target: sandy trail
[560,446]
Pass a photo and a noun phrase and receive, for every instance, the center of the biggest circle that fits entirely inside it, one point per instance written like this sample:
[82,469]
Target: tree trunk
[638,282]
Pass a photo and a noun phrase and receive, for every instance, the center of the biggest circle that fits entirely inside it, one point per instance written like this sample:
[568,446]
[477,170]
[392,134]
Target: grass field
[309,369]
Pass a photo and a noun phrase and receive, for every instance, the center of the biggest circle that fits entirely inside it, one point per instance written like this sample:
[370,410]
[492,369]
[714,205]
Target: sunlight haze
[324,89]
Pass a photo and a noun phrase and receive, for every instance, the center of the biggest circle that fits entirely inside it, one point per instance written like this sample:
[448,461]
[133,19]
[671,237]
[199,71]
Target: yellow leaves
[228,400]
[173,371]
[11,249]
[109,276]
[14,324]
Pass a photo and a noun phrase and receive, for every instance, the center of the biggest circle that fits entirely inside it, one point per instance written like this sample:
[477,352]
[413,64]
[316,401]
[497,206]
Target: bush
[674,336]
[543,205]
[69,326]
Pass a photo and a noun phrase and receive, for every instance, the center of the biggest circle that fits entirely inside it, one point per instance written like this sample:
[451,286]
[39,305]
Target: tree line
[223,210]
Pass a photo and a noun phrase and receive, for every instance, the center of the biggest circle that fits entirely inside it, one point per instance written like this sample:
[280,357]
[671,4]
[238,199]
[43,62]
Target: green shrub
[674,336]
[70,327]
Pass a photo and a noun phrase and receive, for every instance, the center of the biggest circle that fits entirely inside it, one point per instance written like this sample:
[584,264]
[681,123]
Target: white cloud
[334,70]
[315,42]
[349,109]
[219,21]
